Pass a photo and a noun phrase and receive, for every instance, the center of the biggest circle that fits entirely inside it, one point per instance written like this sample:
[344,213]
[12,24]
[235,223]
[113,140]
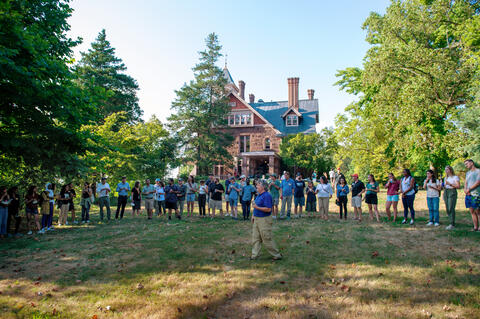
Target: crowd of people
[310,197]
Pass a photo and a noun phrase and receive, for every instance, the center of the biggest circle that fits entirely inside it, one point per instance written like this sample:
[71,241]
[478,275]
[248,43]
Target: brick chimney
[251,97]
[293,92]
[311,93]
[241,86]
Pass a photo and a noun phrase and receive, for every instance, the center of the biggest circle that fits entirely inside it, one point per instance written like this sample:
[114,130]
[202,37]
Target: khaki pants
[323,206]
[262,233]
[62,217]
[286,203]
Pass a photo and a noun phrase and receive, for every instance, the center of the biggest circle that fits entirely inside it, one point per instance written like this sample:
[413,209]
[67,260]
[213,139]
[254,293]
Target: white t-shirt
[332,174]
[324,190]
[470,180]
[452,180]
[431,192]
[102,190]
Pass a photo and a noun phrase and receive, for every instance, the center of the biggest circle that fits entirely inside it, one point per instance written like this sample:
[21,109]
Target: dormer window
[292,120]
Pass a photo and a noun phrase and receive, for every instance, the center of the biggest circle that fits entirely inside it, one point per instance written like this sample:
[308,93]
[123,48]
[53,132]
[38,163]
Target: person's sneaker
[404,221]
[450,227]
[59,225]
[66,223]
[277,258]
[437,224]
[41,231]
[75,222]
[274,217]
[429,224]
[288,217]
[83,222]
[411,221]
[88,221]
[29,232]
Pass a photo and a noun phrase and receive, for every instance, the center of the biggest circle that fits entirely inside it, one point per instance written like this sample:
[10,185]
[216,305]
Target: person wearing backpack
[408,189]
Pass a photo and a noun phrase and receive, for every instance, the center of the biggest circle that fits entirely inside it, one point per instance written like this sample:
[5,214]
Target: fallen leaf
[332,267]
[345,288]
[78,281]
[308,242]
[36,283]
[375,254]
[32,304]
[139,286]
[179,310]
[446,308]
[94,317]
[54,312]
[233,251]
[282,282]
[205,308]
[39,278]
[205,297]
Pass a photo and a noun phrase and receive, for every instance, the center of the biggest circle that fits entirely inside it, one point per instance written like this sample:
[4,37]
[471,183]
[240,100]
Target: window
[267,143]
[218,170]
[239,119]
[292,120]
[232,104]
[244,143]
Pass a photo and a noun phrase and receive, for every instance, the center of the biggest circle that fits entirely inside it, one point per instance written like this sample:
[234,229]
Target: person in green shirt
[274,189]
[371,197]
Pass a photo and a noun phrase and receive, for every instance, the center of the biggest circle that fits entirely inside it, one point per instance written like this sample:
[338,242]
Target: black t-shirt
[217,195]
[64,194]
[72,194]
[85,194]
[135,194]
[357,188]
[14,206]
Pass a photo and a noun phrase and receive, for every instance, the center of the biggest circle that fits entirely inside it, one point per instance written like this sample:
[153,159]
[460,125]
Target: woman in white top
[433,187]
[324,192]
[451,183]
[407,189]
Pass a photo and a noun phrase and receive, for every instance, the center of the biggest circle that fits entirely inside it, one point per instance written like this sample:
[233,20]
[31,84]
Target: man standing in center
[171,198]
[103,191]
[122,188]
[358,188]
[286,194]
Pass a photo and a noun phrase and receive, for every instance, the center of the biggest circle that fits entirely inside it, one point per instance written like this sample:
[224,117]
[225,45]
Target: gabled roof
[228,76]
[292,109]
[273,111]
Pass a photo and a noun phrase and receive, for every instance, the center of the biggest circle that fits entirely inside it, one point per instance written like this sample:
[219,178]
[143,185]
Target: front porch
[258,163]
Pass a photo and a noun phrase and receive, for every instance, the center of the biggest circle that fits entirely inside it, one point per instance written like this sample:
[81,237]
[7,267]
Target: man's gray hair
[264,183]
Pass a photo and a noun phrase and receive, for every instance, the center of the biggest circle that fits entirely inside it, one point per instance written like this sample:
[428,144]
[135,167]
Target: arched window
[267,143]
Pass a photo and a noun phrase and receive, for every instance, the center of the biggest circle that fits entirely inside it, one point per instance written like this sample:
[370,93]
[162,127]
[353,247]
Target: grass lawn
[199,268]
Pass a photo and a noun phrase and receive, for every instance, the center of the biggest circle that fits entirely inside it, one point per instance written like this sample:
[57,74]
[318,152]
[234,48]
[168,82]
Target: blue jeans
[3,220]
[50,216]
[433,203]
[407,202]
[246,205]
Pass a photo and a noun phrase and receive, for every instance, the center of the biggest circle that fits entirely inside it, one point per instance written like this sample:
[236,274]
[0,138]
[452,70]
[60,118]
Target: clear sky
[266,41]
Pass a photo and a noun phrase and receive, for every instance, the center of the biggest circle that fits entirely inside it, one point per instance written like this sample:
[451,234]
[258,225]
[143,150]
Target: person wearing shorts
[393,188]
[358,188]
[215,202]
[472,192]
[147,194]
[192,189]
[371,197]
[171,199]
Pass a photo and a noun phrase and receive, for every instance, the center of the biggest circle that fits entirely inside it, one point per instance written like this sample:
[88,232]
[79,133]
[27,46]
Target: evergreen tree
[102,74]
[201,108]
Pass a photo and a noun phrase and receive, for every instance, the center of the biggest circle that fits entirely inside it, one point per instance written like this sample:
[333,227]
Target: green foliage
[309,151]
[102,75]
[138,151]
[41,109]
[417,75]
[200,108]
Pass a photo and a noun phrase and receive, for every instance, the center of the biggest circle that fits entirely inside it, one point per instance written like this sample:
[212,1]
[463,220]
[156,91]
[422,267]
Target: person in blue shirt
[247,194]
[122,189]
[233,190]
[342,192]
[299,195]
[262,223]
[286,194]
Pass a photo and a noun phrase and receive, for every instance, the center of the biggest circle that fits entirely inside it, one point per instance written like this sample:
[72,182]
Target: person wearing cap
[182,193]
[358,188]
[122,189]
[286,194]
[234,190]
[274,189]
[148,191]
[299,195]
[171,198]
[103,191]
[262,223]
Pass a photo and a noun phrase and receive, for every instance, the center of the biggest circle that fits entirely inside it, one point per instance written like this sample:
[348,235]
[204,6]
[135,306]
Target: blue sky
[266,42]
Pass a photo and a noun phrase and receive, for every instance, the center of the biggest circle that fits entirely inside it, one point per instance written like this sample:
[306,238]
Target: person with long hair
[86,203]
[358,188]
[202,198]
[31,202]
[393,188]
[324,192]
[451,183]
[14,210]
[192,189]
[407,188]
[64,204]
[4,202]
[342,199]
[136,199]
[371,197]
[311,206]
[71,208]
[472,192]
[44,202]
[433,187]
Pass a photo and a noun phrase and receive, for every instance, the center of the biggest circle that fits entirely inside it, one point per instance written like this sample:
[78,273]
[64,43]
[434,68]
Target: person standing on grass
[433,187]
[181,195]
[136,199]
[71,207]
[227,195]
[358,188]
[324,192]
[342,192]
[234,190]
[247,195]
[148,192]
[209,183]
[103,191]
[86,202]
[4,202]
[44,208]
[472,192]
[274,189]
[451,183]
[216,189]
[338,175]
[311,206]
[31,202]
[159,203]
[192,189]
[299,195]
[331,174]
[122,189]
[171,198]
[371,196]
[51,199]
[286,194]
[202,198]
[64,202]
[393,188]
[314,176]
[407,188]
[262,223]
[14,210]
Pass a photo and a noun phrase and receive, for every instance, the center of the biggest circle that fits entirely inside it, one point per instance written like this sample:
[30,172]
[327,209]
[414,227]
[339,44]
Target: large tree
[200,111]
[103,76]
[41,109]
[416,77]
